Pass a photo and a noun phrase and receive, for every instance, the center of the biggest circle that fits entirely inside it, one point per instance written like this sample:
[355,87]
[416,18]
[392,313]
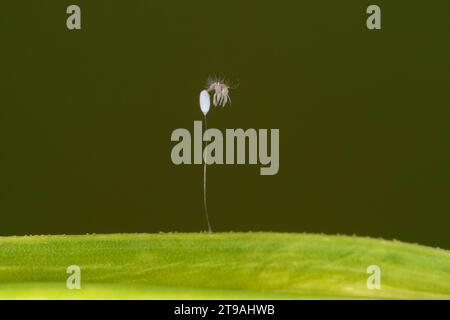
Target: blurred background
[86,116]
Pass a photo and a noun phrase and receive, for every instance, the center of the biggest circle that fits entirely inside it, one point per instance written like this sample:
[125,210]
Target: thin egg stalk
[205,103]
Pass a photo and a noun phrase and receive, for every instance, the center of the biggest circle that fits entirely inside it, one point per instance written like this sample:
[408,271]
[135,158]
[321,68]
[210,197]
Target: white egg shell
[205,102]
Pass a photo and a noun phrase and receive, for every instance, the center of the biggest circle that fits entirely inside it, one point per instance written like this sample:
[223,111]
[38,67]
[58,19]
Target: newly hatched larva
[221,91]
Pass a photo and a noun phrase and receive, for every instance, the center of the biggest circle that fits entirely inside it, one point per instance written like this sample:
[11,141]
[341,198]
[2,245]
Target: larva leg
[224,100]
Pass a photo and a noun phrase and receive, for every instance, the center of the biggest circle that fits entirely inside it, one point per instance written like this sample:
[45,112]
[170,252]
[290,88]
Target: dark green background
[86,116]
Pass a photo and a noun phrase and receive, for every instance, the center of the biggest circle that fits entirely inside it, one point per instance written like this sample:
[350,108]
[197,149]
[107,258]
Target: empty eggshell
[205,101]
